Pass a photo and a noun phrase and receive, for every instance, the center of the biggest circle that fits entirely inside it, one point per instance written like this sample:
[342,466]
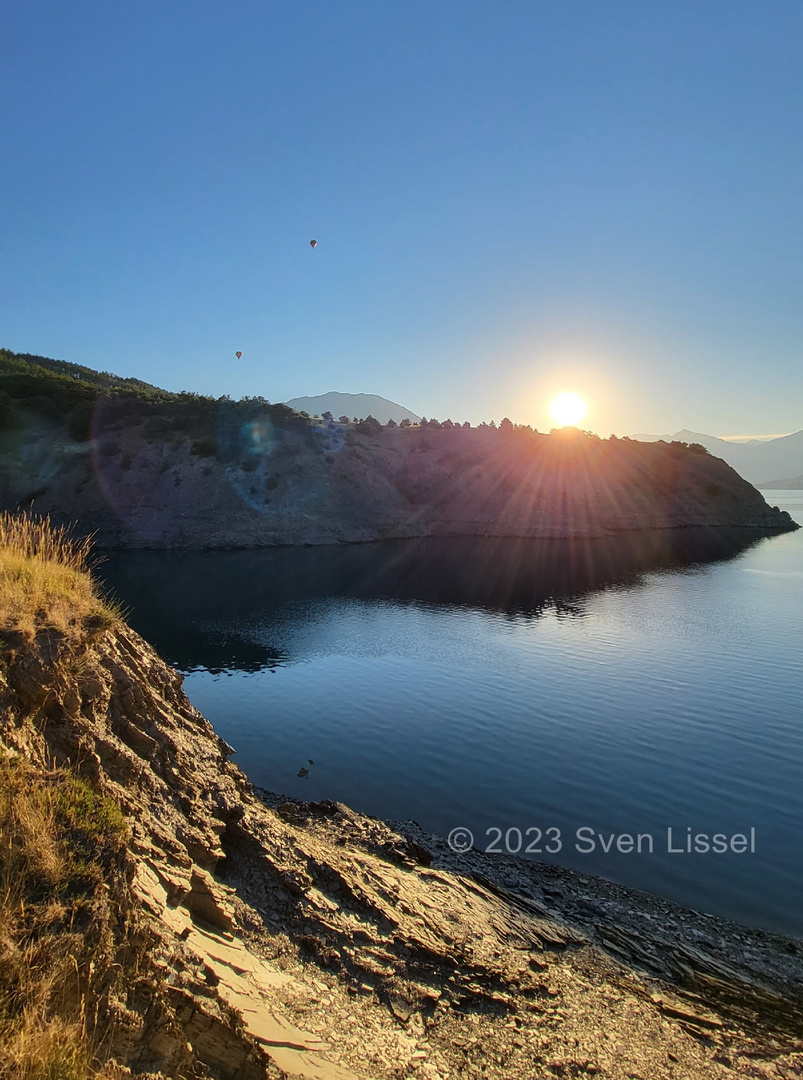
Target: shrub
[79,423]
[206,446]
[369,426]
[7,411]
[157,427]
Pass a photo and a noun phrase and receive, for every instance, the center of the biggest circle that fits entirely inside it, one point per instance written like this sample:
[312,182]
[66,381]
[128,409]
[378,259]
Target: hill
[353,405]
[794,483]
[756,461]
[141,467]
[106,380]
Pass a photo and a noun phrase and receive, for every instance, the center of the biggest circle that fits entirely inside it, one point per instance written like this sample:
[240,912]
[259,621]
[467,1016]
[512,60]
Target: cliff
[169,920]
[142,467]
[316,485]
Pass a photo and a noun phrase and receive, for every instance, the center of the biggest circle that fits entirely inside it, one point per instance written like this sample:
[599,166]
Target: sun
[568,409]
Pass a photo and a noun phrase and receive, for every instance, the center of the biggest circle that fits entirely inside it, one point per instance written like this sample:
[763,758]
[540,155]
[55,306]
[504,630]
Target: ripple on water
[650,695]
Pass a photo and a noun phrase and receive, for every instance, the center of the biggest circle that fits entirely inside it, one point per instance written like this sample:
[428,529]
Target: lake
[620,687]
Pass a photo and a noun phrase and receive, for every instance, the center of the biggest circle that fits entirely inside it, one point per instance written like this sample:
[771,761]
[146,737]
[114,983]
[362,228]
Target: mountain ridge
[758,462]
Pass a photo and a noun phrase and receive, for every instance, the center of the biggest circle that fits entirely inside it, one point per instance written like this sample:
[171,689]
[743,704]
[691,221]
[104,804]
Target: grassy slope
[36,389]
[59,840]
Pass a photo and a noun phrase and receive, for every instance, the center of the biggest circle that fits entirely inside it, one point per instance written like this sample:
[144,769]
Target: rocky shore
[259,937]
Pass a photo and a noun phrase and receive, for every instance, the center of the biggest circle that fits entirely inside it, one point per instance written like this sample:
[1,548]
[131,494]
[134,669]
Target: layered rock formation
[267,938]
[268,485]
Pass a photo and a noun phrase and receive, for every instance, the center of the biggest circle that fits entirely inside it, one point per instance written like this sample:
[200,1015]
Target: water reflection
[625,684]
[193,606]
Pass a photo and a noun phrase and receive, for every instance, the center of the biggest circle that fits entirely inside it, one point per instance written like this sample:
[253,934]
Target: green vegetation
[369,426]
[58,841]
[71,398]
[67,397]
[44,583]
[206,446]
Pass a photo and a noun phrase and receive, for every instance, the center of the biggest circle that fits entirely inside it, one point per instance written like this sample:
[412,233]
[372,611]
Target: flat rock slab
[245,982]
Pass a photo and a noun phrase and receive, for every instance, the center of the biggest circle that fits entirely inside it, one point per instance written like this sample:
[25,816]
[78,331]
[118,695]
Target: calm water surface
[622,686]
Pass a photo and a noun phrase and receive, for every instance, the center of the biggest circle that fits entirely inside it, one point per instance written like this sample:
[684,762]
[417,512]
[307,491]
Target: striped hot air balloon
[313,244]
[238,355]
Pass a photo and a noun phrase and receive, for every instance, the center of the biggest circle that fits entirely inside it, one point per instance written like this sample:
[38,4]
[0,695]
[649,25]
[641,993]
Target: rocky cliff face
[327,485]
[267,938]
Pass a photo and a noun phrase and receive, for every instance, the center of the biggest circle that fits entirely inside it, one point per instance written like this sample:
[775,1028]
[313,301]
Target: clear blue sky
[510,200]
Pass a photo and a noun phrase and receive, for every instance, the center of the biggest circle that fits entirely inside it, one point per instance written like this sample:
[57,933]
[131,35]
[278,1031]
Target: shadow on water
[189,605]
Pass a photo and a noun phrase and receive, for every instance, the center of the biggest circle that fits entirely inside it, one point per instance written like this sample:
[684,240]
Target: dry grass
[45,581]
[54,834]
[61,843]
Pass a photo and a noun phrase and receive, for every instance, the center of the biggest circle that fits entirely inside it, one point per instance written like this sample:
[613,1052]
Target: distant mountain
[757,461]
[359,405]
[794,483]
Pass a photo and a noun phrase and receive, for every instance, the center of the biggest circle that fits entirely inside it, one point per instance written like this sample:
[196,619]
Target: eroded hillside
[140,467]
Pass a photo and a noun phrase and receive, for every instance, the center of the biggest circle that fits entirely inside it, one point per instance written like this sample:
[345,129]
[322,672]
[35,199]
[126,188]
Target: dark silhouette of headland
[141,467]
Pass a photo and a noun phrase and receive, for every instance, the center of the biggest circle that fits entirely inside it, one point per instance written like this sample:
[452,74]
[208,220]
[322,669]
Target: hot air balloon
[238,355]
[313,244]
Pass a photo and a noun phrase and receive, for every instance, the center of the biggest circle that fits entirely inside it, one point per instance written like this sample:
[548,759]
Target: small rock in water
[302,773]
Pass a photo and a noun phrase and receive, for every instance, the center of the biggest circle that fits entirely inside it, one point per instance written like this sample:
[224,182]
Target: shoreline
[504,867]
[759,530]
[255,938]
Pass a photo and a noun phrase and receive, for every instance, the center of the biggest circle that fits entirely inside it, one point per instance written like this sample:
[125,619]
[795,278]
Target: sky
[510,200]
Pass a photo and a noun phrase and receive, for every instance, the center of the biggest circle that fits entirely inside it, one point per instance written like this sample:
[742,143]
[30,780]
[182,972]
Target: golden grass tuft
[45,580]
[54,830]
